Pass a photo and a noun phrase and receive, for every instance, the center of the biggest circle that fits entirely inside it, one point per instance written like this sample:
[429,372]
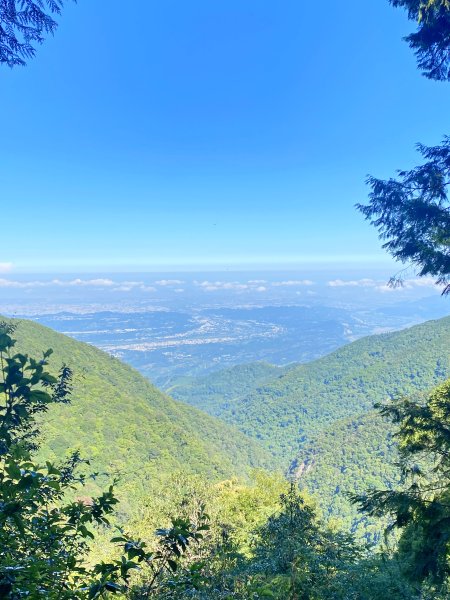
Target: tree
[24,23]
[297,556]
[412,212]
[43,537]
[420,509]
[44,533]
[431,41]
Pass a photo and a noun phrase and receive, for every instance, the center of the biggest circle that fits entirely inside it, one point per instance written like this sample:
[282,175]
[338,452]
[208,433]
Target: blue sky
[208,134]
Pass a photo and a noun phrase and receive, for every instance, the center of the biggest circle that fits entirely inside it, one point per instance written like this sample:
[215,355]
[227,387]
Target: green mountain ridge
[318,418]
[314,420]
[225,386]
[126,426]
[286,411]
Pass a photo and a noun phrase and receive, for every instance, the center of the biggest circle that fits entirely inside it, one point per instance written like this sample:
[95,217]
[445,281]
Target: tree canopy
[412,213]
[431,41]
[420,507]
[23,24]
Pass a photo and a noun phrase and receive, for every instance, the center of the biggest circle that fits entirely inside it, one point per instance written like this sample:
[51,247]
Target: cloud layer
[407,284]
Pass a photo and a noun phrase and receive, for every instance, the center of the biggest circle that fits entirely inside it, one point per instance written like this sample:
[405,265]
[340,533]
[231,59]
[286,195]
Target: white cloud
[212,286]
[293,283]
[87,282]
[9,283]
[235,286]
[381,286]
[420,282]
[5,267]
[165,282]
[352,283]
[132,283]
[410,284]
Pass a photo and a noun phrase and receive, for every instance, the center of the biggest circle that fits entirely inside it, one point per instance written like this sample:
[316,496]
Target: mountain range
[314,421]
[318,420]
[127,427]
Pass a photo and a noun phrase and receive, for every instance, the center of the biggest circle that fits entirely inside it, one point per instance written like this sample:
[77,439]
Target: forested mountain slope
[288,411]
[318,418]
[220,389]
[124,425]
[350,456]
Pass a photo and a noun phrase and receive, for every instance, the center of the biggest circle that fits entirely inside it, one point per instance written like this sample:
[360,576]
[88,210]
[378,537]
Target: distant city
[171,326]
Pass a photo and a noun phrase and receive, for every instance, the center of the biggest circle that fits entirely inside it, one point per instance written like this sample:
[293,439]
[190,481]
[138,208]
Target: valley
[172,328]
[231,422]
[314,421]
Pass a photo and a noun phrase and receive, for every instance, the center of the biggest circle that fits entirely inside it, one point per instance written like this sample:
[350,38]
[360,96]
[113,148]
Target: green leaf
[115,588]
[173,565]
[40,397]
[13,470]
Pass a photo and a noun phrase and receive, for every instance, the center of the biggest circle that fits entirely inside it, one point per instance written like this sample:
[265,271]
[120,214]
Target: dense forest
[222,529]
[318,420]
[127,426]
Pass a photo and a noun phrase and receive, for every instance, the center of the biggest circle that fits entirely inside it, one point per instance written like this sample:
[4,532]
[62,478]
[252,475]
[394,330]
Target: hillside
[217,391]
[285,412]
[350,456]
[126,426]
[318,418]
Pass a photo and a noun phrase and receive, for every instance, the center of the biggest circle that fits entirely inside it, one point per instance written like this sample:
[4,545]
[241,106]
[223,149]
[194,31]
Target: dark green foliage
[295,545]
[421,508]
[412,214]
[431,41]
[253,546]
[348,457]
[261,545]
[43,538]
[159,566]
[43,535]
[23,24]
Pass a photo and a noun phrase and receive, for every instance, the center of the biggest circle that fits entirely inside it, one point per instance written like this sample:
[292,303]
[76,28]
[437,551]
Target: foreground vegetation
[196,538]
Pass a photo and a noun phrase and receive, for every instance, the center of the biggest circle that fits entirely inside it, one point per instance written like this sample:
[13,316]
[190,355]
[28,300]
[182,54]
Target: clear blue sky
[222,134]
